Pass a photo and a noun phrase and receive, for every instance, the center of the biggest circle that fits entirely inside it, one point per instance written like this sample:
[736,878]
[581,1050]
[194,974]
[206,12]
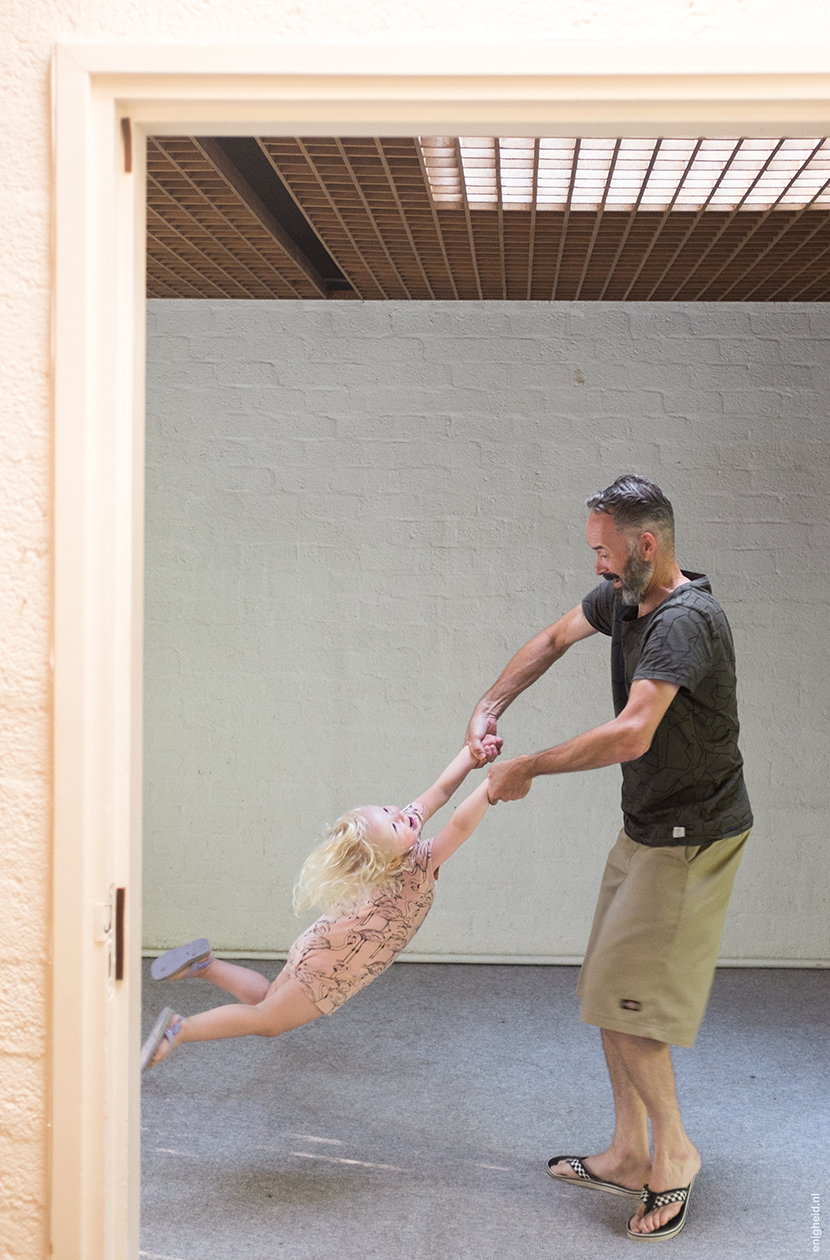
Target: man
[654,942]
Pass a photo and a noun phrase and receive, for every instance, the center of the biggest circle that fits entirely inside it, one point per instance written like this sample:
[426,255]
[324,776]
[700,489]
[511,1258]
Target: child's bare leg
[288,1007]
[285,1007]
[246,985]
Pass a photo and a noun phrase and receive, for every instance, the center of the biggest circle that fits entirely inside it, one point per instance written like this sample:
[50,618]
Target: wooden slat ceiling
[204,241]
[386,236]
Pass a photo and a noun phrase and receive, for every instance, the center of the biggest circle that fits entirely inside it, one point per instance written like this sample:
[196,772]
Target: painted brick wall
[356,512]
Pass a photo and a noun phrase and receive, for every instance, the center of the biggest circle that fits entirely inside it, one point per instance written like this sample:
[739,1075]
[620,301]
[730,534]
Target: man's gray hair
[634,502]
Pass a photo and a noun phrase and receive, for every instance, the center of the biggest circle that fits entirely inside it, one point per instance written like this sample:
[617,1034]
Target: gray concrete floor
[415,1124]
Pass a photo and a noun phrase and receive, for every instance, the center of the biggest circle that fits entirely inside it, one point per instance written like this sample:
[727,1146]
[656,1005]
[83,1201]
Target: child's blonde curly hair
[346,868]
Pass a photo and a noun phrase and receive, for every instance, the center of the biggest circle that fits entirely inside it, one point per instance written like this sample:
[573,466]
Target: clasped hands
[510,780]
[486,750]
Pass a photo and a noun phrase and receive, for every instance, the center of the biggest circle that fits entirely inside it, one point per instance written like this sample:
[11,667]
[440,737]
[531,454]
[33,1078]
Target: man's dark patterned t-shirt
[689,787]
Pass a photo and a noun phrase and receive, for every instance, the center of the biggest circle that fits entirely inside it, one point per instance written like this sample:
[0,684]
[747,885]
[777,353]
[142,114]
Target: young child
[376,879]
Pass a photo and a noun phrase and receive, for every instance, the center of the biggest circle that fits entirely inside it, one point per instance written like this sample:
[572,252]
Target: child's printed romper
[339,954]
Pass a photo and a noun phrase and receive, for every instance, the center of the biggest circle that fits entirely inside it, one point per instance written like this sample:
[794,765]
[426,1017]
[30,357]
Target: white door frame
[566,89]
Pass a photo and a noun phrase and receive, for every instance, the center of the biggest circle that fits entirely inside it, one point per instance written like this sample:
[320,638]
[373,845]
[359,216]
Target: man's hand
[482,724]
[510,781]
[491,746]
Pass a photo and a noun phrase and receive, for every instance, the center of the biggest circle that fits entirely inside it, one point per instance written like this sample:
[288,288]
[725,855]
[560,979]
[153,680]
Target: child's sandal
[185,962]
[166,1028]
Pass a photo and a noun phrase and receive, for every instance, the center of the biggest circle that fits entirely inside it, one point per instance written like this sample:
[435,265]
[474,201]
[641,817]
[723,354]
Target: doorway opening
[99,357]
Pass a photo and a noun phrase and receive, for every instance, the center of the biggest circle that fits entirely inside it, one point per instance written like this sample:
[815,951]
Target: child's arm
[454,775]
[462,824]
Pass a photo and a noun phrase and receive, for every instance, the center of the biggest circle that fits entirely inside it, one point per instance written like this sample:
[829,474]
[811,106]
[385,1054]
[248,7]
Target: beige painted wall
[28,34]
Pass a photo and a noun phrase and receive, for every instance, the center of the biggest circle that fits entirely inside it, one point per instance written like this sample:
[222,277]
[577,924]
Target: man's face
[618,558]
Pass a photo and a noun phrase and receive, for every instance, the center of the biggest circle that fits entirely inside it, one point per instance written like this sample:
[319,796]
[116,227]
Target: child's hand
[491,747]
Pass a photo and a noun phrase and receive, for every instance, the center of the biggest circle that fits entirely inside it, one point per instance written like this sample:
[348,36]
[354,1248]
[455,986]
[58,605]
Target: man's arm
[529,663]
[628,737]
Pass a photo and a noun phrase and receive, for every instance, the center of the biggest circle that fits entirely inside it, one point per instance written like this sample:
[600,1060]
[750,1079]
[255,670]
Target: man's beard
[634,578]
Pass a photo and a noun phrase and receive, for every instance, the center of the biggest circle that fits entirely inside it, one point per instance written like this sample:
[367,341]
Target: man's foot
[666,1175]
[605,1172]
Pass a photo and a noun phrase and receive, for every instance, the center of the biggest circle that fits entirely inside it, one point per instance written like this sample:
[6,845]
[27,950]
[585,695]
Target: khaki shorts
[654,941]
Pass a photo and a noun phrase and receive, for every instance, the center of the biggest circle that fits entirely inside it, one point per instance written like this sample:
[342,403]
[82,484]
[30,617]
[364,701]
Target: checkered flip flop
[585,1178]
[652,1200]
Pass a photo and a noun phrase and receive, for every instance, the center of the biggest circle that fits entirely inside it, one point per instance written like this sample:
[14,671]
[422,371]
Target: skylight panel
[678,173]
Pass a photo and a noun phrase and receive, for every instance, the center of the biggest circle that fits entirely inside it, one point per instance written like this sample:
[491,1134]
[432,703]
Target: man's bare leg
[626,1162]
[676,1160]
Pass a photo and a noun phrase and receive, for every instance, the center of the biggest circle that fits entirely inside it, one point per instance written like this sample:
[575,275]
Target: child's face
[390,828]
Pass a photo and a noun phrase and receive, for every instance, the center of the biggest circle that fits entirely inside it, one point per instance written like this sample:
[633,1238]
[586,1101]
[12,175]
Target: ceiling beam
[771,245]
[632,216]
[696,220]
[531,242]
[154,264]
[790,261]
[759,224]
[798,296]
[468,217]
[273,280]
[390,179]
[358,286]
[435,219]
[500,211]
[370,214]
[600,211]
[565,219]
[650,248]
[189,245]
[727,223]
[225,168]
